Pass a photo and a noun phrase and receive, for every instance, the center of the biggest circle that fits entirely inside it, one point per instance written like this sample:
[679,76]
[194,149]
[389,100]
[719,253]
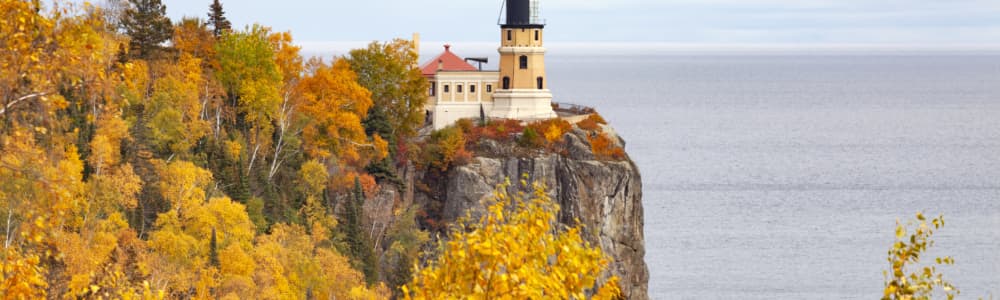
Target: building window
[433,86]
[540,83]
[446,88]
[509,36]
[524,61]
[506,83]
[536,35]
[472,88]
[489,88]
[458,88]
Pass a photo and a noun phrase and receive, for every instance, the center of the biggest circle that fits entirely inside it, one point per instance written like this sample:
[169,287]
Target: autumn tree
[516,250]
[252,79]
[398,88]
[147,25]
[33,63]
[334,105]
[217,18]
[193,39]
[905,253]
[182,241]
[288,127]
[291,263]
[192,36]
[173,110]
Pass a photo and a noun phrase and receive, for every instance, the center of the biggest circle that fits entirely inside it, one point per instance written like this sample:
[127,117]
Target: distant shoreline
[337,48]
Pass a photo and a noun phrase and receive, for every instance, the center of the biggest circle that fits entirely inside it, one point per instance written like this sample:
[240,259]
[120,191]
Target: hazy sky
[912,22]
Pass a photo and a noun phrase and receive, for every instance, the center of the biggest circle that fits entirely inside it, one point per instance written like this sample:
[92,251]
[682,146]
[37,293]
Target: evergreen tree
[213,250]
[147,25]
[217,18]
[360,250]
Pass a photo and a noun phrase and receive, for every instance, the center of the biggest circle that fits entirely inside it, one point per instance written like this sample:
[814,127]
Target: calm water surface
[782,176]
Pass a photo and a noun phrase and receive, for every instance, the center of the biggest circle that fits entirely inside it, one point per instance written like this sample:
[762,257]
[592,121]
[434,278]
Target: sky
[748,23]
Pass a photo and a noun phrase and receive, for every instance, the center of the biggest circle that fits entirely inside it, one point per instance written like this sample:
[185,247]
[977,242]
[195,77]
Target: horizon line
[586,47]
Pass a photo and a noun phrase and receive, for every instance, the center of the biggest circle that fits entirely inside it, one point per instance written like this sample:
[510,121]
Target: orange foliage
[334,105]
[604,148]
[445,148]
[346,183]
[192,36]
[546,133]
[497,130]
[591,123]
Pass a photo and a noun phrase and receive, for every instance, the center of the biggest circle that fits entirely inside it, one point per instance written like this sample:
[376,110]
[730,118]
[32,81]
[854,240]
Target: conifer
[147,25]
[217,18]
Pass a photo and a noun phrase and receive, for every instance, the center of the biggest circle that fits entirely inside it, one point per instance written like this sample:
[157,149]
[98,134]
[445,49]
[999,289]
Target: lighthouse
[523,90]
[518,90]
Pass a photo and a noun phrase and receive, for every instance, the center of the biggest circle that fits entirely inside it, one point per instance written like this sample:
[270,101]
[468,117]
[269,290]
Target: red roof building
[446,61]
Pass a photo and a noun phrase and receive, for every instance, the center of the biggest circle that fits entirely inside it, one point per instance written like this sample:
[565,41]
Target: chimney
[416,43]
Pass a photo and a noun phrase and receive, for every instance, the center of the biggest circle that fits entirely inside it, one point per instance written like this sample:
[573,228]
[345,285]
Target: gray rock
[605,196]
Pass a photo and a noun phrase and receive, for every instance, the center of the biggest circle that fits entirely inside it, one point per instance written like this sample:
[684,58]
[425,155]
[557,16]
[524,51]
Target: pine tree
[147,25]
[360,249]
[217,18]
[213,250]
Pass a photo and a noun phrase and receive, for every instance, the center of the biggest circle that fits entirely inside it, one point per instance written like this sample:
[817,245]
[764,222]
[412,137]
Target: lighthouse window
[458,88]
[536,35]
[524,61]
[472,88]
[506,83]
[446,89]
[540,81]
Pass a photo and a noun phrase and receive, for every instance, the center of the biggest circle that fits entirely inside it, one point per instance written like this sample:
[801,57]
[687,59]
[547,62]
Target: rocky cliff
[604,195]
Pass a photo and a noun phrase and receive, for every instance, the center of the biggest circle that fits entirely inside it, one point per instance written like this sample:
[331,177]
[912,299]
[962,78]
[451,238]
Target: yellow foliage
[515,251]
[334,105]
[314,177]
[906,251]
[182,184]
[175,105]
[291,263]
[192,37]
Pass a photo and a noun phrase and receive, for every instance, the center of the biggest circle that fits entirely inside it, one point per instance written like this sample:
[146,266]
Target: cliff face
[605,196]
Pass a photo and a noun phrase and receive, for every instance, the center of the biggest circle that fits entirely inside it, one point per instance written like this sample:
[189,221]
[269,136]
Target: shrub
[604,148]
[531,139]
[592,122]
[497,130]
[466,125]
[551,131]
[445,148]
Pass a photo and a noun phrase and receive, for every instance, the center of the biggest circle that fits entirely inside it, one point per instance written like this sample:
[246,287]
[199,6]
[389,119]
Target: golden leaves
[518,256]
[334,105]
[905,251]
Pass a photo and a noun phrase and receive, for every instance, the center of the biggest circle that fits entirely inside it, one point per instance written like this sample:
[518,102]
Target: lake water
[781,176]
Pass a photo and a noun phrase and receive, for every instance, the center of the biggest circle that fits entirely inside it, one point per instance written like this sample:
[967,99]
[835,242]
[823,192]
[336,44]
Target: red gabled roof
[447,61]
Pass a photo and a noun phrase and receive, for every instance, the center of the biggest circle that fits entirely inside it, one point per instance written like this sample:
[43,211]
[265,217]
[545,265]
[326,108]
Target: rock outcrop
[605,196]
